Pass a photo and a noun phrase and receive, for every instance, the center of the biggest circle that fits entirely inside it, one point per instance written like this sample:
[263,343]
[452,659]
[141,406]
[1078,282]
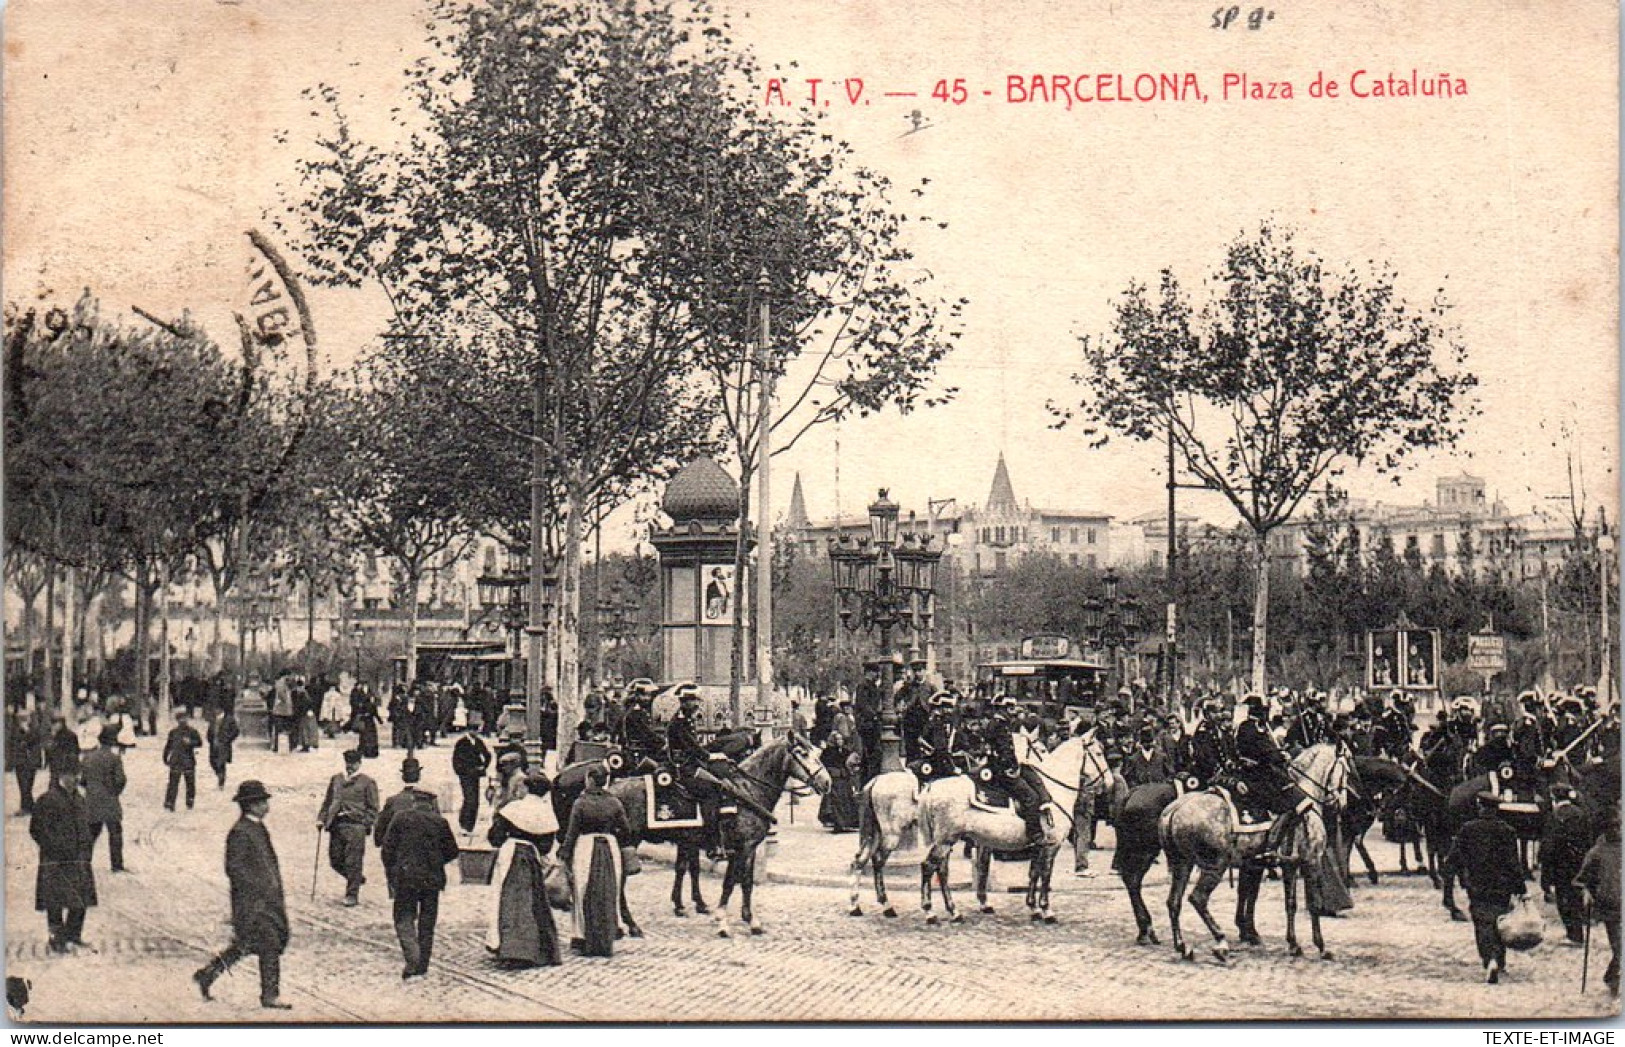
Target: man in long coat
[259,915]
[64,887]
[1486,853]
[1563,845]
[103,773]
[417,843]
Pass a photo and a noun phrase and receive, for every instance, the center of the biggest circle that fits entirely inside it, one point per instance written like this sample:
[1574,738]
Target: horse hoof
[889,913]
[932,921]
[722,932]
[1187,952]
[680,912]
[988,910]
[856,910]
[1051,918]
[1457,916]
[959,917]
[634,931]
[1251,939]
[758,930]
[1035,917]
[1143,939]
[1373,878]
[1294,950]
[701,909]
[1154,939]
[1222,954]
[1325,954]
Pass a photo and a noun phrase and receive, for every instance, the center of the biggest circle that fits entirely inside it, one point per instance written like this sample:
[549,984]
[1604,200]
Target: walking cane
[1585,955]
[316,867]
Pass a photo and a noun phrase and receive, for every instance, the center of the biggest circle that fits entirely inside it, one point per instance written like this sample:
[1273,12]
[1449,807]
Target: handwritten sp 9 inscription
[1226,17]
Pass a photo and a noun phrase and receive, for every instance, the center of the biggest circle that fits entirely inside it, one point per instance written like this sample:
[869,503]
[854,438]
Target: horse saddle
[990,794]
[931,768]
[668,803]
[1246,815]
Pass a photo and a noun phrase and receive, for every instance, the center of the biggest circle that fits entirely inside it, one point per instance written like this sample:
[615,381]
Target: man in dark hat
[180,756]
[62,751]
[408,798]
[1486,855]
[64,887]
[1149,762]
[416,843]
[259,916]
[347,814]
[470,760]
[1565,838]
[1495,753]
[103,774]
[1262,766]
[637,732]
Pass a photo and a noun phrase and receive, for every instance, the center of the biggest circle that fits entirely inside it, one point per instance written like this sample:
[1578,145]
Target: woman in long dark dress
[591,850]
[521,927]
[364,720]
[839,807]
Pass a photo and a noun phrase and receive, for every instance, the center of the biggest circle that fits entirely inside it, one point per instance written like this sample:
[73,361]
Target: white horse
[895,809]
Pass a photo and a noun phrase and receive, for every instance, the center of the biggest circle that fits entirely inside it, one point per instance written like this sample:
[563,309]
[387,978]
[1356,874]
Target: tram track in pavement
[324,928]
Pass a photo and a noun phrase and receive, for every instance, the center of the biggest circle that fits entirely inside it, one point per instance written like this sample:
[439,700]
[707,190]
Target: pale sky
[140,141]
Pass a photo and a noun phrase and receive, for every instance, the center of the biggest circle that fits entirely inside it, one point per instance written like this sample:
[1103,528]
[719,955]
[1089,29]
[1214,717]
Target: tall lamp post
[1111,623]
[880,583]
[506,598]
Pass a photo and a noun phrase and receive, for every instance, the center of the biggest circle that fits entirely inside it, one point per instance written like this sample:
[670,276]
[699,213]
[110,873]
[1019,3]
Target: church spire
[1003,494]
[797,518]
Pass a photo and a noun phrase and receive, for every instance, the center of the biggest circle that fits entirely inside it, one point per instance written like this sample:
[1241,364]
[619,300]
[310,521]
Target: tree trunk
[217,646]
[143,627]
[28,637]
[50,629]
[66,694]
[568,694]
[1261,608]
[414,574]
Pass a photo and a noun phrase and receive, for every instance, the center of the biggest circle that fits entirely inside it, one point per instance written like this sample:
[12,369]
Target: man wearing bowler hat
[259,915]
[416,843]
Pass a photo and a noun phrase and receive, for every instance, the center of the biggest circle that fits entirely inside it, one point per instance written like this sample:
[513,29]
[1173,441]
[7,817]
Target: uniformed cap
[1499,728]
[1003,701]
[943,698]
[642,685]
[687,692]
[1256,701]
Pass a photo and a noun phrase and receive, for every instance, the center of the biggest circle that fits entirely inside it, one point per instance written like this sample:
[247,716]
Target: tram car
[1050,676]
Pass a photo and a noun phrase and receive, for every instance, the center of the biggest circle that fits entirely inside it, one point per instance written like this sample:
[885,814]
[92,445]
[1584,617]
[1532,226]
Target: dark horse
[762,775]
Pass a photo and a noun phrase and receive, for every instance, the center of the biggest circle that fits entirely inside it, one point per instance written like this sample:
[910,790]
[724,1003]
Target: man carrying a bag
[1486,854]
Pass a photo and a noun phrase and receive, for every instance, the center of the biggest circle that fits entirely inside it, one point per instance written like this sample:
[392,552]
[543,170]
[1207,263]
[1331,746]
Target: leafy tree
[1290,374]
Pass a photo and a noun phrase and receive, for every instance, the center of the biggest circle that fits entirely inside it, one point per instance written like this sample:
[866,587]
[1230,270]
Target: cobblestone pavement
[1395,955]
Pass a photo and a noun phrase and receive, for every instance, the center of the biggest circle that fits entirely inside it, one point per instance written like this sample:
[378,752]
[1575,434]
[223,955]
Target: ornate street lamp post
[1111,623]
[506,598]
[881,582]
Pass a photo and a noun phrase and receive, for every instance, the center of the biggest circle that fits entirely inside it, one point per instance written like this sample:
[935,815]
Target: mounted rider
[694,766]
[1264,769]
[940,737]
[1201,753]
[1495,753]
[1395,727]
[1018,779]
[637,734]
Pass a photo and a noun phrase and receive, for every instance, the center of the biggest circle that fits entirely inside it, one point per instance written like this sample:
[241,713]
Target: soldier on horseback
[1395,727]
[1263,768]
[1026,789]
[940,737]
[1201,753]
[637,732]
[1496,752]
[694,767]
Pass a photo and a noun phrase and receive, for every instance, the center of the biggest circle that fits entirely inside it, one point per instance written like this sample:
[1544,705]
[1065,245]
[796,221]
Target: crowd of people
[1200,739]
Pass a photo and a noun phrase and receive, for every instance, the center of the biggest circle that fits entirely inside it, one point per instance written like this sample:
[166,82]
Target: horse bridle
[1327,795]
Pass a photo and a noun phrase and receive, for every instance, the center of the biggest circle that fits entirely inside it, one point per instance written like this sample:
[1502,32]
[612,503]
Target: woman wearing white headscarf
[521,929]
